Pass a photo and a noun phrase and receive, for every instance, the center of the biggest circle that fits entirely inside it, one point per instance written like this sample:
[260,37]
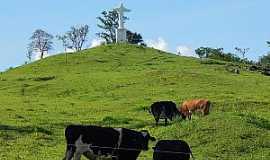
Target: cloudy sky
[174,25]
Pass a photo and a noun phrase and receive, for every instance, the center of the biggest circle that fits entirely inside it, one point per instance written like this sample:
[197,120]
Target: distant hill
[112,85]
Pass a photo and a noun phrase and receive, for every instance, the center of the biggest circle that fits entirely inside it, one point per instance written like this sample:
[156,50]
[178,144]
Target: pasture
[112,85]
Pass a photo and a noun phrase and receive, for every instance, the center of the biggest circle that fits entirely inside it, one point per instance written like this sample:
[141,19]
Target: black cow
[94,141]
[172,150]
[164,110]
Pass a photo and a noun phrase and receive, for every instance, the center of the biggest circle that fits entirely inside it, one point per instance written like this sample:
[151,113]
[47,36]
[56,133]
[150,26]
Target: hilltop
[112,85]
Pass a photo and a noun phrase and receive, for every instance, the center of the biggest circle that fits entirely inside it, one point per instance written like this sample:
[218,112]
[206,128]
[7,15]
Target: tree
[134,38]
[76,37]
[29,54]
[41,42]
[65,43]
[108,22]
[201,52]
[268,42]
[242,51]
[265,60]
[217,53]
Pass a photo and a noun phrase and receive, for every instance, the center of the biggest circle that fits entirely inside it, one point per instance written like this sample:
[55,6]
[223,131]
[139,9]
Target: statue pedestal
[121,35]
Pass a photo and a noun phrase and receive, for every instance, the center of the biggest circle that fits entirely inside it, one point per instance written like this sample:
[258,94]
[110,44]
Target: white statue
[121,32]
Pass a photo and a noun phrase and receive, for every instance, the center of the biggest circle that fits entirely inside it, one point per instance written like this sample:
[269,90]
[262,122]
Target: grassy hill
[111,85]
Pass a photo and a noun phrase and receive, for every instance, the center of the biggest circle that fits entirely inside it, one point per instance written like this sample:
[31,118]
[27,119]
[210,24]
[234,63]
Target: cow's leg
[189,114]
[166,121]
[206,110]
[77,156]
[157,119]
[90,155]
[202,112]
[69,153]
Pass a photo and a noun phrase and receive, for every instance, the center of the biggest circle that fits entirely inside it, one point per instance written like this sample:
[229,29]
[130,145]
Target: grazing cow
[172,150]
[94,141]
[164,110]
[191,106]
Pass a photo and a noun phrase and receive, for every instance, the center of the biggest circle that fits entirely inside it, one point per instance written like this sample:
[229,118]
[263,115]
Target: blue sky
[168,24]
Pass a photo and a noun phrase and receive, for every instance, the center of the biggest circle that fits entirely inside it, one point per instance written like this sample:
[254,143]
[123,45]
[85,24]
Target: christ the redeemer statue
[121,32]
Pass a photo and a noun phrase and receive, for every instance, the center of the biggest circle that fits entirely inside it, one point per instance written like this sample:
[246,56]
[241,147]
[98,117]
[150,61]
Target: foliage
[268,42]
[29,54]
[265,59]
[242,51]
[201,52]
[134,38]
[74,38]
[65,41]
[107,84]
[41,42]
[217,53]
[66,44]
[108,22]
[77,36]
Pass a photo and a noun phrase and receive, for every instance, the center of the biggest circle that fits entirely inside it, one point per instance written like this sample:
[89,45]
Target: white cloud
[36,55]
[96,42]
[70,50]
[185,51]
[160,44]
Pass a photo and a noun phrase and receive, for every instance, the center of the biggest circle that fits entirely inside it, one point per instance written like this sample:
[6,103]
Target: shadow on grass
[257,121]
[122,122]
[25,129]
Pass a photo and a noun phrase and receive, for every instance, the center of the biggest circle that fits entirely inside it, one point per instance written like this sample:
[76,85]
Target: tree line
[75,38]
[219,54]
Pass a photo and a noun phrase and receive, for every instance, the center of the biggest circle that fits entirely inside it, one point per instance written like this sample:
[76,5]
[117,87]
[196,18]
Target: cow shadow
[25,129]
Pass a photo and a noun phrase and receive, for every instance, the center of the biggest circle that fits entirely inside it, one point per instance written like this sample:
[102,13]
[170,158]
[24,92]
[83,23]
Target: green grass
[111,85]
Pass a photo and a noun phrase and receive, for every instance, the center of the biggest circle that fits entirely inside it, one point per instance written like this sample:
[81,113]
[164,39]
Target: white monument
[121,32]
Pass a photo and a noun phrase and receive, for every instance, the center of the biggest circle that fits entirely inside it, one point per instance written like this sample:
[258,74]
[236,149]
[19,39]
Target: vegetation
[265,60]
[41,42]
[108,23]
[75,38]
[219,54]
[242,51]
[111,85]
[135,38]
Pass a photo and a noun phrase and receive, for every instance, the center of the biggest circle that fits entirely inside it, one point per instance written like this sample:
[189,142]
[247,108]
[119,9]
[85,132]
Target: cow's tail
[192,156]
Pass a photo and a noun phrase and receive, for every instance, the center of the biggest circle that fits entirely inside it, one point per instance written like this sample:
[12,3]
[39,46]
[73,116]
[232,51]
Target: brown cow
[196,105]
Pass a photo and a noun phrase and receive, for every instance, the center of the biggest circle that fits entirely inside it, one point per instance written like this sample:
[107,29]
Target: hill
[111,85]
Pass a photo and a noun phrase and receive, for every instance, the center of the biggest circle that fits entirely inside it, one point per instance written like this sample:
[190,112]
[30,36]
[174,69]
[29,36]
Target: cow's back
[164,108]
[197,104]
[94,136]
[171,150]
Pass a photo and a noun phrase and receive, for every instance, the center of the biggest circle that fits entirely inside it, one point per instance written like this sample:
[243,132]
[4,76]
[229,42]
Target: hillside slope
[111,85]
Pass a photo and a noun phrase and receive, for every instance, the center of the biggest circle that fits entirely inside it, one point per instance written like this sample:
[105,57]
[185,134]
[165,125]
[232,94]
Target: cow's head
[146,137]
[181,113]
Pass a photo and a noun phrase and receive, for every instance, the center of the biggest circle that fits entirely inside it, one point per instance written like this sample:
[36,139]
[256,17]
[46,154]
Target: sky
[169,25]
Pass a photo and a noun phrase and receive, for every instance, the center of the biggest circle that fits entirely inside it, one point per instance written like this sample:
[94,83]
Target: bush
[45,78]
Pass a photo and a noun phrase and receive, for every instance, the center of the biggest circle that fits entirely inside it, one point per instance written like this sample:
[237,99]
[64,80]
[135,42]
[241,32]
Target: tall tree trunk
[41,54]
